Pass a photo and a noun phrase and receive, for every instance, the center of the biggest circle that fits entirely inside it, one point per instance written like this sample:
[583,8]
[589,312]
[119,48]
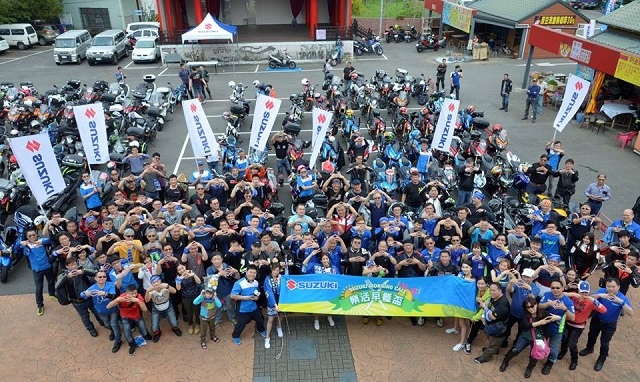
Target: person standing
[532,101]
[197,84]
[183,74]
[543,90]
[441,71]
[102,293]
[456,76]
[36,251]
[567,182]
[538,174]
[246,292]
[272,290]
[505,89]
[597,193]
[120,77]
[555,153]
[205,79]
[90,193]
[131,305]
[346,76]
[556,304]
[495,315]
[605,324]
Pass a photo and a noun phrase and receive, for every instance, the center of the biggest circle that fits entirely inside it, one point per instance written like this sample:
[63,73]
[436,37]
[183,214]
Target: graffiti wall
[254,52]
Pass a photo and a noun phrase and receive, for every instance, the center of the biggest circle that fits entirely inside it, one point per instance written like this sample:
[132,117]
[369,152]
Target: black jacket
[75,285]
[506,86]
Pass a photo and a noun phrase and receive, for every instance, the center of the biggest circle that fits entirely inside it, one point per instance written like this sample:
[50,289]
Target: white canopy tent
[211,29]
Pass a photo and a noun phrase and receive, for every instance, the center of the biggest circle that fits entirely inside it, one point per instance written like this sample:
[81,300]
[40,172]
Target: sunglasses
[531,306]
[128,235]
[101,277]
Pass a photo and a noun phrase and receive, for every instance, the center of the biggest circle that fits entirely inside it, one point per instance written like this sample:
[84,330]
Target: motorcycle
[411,34]
[158,107]
[13,194]
[176,95]
[281,62]
[336,53]
[367,46]
[239,106]
[430,42]
[421,91]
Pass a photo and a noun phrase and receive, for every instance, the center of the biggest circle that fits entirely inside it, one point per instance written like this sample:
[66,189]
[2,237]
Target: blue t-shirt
[557,327]
[455,78]
[244,287]
[306,182]
[550,244]
[434,256]
[613,310]
[518,295]
[494,254]
[101,302]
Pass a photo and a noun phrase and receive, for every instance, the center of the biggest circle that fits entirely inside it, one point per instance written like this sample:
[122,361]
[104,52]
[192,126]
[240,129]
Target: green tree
[24,10]
[357,7]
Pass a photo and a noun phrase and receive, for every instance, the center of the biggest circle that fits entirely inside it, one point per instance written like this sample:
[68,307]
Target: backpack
[62,294]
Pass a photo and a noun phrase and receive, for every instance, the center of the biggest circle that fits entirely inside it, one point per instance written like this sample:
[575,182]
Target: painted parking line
[251,72]
[184,147]
[28,55]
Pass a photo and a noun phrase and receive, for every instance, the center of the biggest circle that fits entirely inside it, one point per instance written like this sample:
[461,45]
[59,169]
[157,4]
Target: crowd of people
[146,244]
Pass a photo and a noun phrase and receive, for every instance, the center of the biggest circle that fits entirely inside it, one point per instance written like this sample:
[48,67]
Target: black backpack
[62,294]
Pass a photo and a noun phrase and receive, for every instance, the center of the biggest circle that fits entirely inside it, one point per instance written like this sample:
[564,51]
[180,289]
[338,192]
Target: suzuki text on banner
[264,117]
[200,132]
[321,122]
[575,92]
[438,296]
[446,125]
[39,166]
[93,132]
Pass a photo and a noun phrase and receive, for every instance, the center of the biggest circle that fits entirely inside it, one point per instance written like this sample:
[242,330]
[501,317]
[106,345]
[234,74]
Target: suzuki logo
[33,146]
[207,26]
[322,118]
[291,284]
[193,108]
[579,85]
[269,104]
[451,107]
[90,113]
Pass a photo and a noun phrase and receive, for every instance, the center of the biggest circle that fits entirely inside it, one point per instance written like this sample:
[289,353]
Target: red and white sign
[321,122]
[576,91]
[93,132]
[39,165]
[264,117]
[446,125]
[200,133]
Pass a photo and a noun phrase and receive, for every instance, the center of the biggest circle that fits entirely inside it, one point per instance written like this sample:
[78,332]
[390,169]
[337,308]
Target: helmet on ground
[470,109]
[231,84]
[305,82]
[389,136]
[256,83]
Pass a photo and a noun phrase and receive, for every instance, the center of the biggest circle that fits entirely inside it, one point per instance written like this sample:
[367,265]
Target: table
[617,109]
[213,63]
[560,77]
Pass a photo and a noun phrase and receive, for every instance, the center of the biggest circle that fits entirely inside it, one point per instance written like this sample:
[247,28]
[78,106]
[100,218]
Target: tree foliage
[12,11]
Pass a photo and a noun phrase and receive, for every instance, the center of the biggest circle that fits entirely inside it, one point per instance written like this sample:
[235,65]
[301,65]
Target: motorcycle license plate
[98,58]
[64,57]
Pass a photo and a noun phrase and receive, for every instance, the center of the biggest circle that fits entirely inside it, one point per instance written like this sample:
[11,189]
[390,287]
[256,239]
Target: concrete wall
[119,17]
[254,53]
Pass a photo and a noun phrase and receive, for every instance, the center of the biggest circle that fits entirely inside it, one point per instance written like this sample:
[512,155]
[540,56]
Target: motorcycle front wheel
[358,52]
[378,50]
[333,62]
[272,64]
[436,47]
[292,65]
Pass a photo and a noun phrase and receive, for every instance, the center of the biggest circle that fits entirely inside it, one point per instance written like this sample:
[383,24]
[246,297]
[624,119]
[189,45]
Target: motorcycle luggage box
[292,128]
[138,94]
[480,123]
[107,97]
[74,83]
[73,160]
[149,78]
[164,90]
[236,109]
[153,112]
[136,131]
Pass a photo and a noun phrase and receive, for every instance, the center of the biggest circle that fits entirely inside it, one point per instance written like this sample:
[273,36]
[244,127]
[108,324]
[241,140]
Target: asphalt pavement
[592,152]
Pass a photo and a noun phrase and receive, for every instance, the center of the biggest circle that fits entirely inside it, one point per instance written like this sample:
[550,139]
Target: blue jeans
[198,91]
[168,313]
[540,100]
[555,340]
[230,306]
[127,323]
[464,197]
[505,100]
[113,321]
[283,166]
[347,85]
[521,343]
[531,102]
[215,167]
[83,309]
[38,277]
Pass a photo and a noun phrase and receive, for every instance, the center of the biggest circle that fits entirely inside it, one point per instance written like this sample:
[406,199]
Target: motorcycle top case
[153,112]
[107,97]
[292,128]
[73,160]
[237,109]
[74,83]
[136,131]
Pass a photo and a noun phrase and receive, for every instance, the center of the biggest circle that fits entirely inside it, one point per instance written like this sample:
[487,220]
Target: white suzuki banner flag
[446,125]
[575,92]
[200,133]
[321,122]
[264,117]
[39,165]
[93,132]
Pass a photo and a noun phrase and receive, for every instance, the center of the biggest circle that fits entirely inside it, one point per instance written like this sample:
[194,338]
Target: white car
[147,49]
[140,33]
[3,45]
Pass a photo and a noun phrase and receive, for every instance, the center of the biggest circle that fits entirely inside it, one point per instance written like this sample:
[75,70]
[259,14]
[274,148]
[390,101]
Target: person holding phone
[597,193]
[561,306]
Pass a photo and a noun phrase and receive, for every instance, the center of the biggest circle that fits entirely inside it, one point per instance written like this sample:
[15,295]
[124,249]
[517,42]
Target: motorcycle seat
[153,112]
[136,131]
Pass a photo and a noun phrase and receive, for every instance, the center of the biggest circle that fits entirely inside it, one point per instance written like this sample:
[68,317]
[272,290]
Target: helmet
[349,113]
[14,133]
[316,95]
[40,221]
[424,111]
[328,167]
[404,110]
[231,84]
[354,75]
[276,208]
[22,220]
[293,97]
[134,144]
[389,136]
[112,165]
[301,167]
[475,135]
[376,112]
[226,115]
[13,159]
[256,83]
[305,82]
[470,109]
[496,128]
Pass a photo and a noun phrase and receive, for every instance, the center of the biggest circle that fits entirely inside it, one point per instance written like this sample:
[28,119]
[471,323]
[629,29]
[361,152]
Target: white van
[132,27]
[22,36]
[71,46]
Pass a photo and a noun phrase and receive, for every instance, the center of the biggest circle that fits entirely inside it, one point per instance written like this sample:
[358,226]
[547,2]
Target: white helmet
[305,82]
[256,83]
[231,84]
[134,144]
[40,221]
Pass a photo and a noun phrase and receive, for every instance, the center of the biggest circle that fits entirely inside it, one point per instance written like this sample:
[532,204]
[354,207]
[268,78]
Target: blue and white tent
[211,29]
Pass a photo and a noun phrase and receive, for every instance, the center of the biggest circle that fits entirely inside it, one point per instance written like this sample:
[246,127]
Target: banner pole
[554,134]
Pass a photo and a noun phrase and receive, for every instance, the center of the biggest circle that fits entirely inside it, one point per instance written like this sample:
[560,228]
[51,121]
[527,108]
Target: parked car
[147,49]
[138,34]
[22,36]
[132,27]
[107,46]
[71,46]
[46,33]
[3,45]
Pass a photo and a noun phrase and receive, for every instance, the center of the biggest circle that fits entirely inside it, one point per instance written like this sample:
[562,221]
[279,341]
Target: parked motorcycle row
[396,33]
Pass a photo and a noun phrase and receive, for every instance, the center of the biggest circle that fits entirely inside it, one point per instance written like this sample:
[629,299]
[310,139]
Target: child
[572,281]
[424,157]
[555,153]
[147,271]
[501,274]
[131,305]
[517,240]
[478,261]
[208,302]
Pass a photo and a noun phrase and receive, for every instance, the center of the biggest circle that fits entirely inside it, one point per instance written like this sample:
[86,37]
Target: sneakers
[365,320]
[379,321]
[116,347]
[546,369]
[439,322]
[421,321]
[234,321]
[331,323]
[481,359]
[40,311]
[316,324]
[148,337]
[263,333]
[458,347]
[156,337]
[452,331]
[177,332]
[280,333]
[132,348]
[93,332]
[111,336]
[237,341]
[267,343]
[467,348]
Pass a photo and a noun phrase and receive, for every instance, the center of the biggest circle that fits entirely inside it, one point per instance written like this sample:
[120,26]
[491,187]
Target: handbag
[540,347]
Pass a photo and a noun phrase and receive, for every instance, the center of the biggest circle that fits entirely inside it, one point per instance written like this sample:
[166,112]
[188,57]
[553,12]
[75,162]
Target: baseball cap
[155,278]
[355,182]
[553,257]
[370,263]
[90,219]
[528,272]
[200,163]
[478,195]
[113,259]
[584,286]
[407,241]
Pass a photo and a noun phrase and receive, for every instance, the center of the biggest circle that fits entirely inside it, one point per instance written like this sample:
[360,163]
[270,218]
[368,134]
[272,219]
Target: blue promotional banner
[438,296]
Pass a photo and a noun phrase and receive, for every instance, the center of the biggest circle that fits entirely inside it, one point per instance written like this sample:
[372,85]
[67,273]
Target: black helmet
[276,208]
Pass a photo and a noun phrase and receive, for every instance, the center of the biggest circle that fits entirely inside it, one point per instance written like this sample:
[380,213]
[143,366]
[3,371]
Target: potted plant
[552,85]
